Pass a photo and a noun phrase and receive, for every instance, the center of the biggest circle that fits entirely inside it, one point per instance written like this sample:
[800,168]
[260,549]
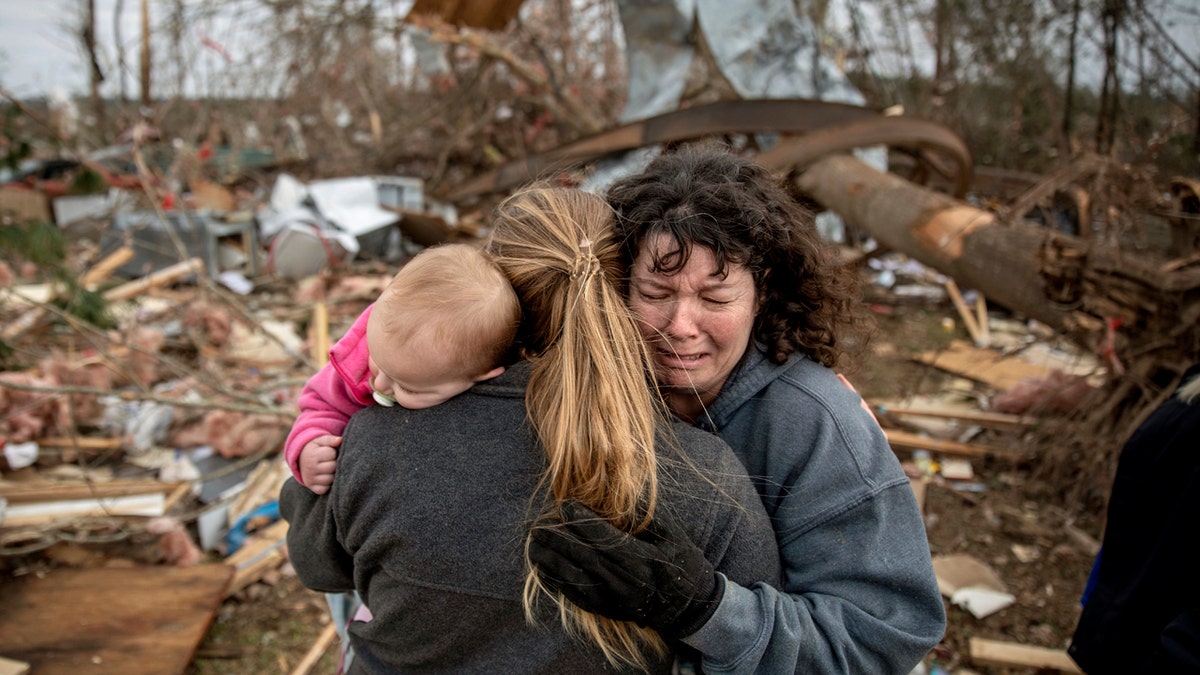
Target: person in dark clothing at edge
[430,510]
[1141,612]
[747,315]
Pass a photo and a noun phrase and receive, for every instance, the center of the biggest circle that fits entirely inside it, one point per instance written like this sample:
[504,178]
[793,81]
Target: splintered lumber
[22,323]
[1013,655]
[980,417]
[969,317]
[263,485]
[40,513]
[983,365]
[316,651]
[79,442]
[906,440]
[32,504]
[31,296]
[176,495]
[134,621]
[49,491]
[981,318]
[104,269]
[318,334]
[90,279]
[262,551]
[158,279]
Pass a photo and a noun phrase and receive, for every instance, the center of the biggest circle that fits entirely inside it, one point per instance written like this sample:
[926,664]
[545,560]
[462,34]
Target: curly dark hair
[706,195]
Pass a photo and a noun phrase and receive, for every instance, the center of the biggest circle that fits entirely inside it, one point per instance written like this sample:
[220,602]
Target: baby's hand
[318,458]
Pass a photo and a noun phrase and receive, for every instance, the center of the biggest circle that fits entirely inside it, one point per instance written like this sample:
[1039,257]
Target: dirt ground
[1013,526]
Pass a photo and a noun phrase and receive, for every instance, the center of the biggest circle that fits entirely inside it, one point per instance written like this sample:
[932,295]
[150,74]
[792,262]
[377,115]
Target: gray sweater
[859,594]
[427,519]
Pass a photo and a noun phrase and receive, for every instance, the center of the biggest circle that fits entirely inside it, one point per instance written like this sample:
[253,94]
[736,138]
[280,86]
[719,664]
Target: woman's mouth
[677,360]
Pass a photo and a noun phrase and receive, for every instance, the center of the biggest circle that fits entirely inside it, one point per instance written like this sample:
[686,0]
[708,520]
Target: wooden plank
[968,316]
[176,495]
[983,365]
[316,651]
[163,277]
[40,513]
[104,269]
[909,441]
[981,318]
[261,552]
[48,491]
[132,621]
[262,485]
[318,334]
[1011,654]
[81,442]
[980,417]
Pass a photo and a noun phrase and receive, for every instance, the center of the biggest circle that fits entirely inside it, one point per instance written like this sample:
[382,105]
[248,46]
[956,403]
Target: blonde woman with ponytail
[430,511]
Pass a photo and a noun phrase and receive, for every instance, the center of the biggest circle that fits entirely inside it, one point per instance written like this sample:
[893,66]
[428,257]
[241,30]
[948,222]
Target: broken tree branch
[566,110]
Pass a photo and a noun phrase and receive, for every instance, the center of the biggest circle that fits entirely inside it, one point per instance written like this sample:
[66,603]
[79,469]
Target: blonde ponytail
[591,397]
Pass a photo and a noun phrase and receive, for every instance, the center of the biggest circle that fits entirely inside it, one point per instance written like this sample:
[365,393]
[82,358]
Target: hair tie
[586,263]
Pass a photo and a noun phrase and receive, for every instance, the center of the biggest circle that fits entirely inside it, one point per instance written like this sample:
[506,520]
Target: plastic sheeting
[659,47]
[763,48]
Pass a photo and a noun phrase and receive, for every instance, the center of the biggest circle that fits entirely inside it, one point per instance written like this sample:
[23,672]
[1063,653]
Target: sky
[38,53]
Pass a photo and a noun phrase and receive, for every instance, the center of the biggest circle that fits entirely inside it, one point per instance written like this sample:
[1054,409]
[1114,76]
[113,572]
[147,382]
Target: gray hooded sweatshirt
[859,594]
[427,519]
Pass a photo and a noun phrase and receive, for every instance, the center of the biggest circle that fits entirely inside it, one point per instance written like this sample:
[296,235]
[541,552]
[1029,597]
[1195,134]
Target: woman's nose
[681,320]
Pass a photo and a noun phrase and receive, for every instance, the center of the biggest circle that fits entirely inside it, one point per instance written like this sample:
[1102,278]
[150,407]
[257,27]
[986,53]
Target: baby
[443,323]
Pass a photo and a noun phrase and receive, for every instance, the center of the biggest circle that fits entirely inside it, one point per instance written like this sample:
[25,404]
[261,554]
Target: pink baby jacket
[332,396]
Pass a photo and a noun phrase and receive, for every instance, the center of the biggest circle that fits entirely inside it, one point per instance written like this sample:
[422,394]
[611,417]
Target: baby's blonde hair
[591,396]
[454,295]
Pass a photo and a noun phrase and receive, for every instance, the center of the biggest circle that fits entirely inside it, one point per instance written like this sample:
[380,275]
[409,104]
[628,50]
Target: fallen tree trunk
[1070,284]
[1141,317]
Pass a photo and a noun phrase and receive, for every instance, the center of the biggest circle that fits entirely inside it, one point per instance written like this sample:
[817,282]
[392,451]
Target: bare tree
[96,73]
[146,98]
[1069,94]
[118,11]
[1111,18]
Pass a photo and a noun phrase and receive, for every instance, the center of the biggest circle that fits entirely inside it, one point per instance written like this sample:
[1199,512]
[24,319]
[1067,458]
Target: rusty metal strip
[796,153]
[724,117]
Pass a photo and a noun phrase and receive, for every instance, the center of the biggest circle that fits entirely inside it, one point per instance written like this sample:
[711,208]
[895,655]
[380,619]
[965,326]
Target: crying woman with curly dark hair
[746,315]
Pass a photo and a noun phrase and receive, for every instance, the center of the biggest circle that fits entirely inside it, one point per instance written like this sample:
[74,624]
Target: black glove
[657,578]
